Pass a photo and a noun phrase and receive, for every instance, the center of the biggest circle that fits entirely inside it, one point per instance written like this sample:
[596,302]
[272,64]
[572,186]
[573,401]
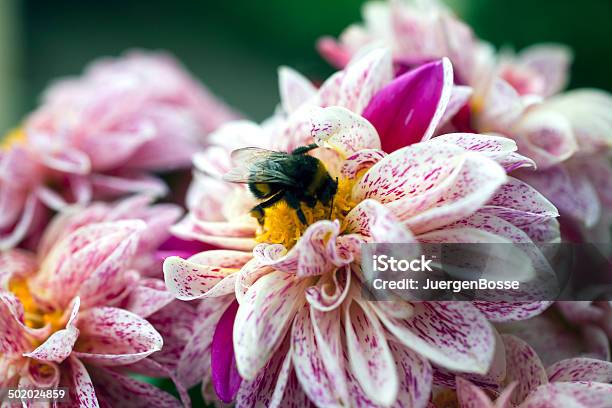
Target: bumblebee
[273,176]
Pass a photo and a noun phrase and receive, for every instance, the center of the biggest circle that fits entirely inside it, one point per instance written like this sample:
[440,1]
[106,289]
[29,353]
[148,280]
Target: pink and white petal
[492,380]
[454,335]
[308,362]
[572,193]
[503,401]
[116,389]
[189,229]
[360,161]
[328,335]
[460,96]
[492,146]
[173,126]
[293,395]
[111,337]
[329,92]
[520,204]
[15,338]
[109,149]
[105,185]
[272,384]
[294,89]
[553,342]
[363,78]
[515,161]
[61,343]
[551,62]
[588,111]
[194,363]
[92,261]
[409,173]
[293,132]
[148,297]
[370,358]
[66,160]
[580,369]
[471,396]
[333,52]
[111,276]
[409,109]
[94,254]
[263,319]
[50,198]
[39,374]
[570,394]
[598,169]
[415,375]
[580,312]
[499,109]
[504,311]
[477,180]
[190,280]
[151,368]
[545,136]
[175,324]
[23,226]
[15,263]
[248,275]
[372,219]
[330,290]
[81,390]
[342,130]
[524,366]
[315,253]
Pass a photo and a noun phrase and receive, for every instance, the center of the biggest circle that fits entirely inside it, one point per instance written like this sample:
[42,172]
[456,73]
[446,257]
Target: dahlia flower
[515,95]
[283,319]
[564,332]
[79,314]
[103,134]
[575,382]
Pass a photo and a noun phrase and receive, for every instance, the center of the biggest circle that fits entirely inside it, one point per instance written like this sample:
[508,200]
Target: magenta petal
[408,109]
[225,377]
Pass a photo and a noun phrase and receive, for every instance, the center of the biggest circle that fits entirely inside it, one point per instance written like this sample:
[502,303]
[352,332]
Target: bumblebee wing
[255,165]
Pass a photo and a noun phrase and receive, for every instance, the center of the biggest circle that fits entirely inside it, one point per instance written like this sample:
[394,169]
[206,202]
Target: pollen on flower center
[281,223]
[34,316]
[12,138]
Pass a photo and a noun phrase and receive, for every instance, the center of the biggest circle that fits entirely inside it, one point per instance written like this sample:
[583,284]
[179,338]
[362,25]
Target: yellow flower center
[12,138]
[281,223]
[34,316]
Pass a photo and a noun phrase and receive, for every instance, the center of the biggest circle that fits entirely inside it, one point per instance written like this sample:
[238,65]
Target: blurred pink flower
[286,323]
[104,134]
[576,382]
[79,314]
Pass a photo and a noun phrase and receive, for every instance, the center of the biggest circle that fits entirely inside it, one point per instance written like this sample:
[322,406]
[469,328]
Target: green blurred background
[236,46]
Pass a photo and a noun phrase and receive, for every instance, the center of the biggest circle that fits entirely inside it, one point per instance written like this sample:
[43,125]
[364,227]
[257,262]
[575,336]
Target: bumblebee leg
[304,149]
[258,211]
[294,203]
[331,207]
